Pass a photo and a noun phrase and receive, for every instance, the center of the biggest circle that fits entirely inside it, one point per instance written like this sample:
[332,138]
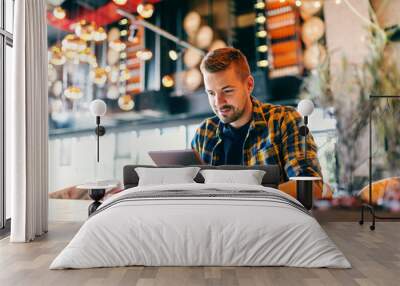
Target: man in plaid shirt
[246,131]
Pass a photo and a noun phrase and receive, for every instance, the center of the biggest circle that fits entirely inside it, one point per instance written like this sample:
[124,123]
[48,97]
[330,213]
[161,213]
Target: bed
[201,224]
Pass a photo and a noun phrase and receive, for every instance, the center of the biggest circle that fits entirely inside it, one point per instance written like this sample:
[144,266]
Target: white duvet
[200,231]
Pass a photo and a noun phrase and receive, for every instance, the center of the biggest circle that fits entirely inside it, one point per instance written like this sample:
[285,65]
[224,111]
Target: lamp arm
[305,148]
[304,132]
[100,131]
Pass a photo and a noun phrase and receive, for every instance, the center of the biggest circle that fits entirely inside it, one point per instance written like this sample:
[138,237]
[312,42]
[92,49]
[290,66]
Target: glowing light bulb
[168,81]
[260,19]
[261,34]
[145,10]
[73,93]
[99,34]
[123,21]
[117,45]
[173,55]
[98,76]
[262,49]
[57,57]
[259,5]
[59,13]
[262,63]
[126,102]
[120,2]
[144,55]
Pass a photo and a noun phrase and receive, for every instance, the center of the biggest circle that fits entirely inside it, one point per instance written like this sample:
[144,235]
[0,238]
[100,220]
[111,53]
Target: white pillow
[249,177]
[164,176]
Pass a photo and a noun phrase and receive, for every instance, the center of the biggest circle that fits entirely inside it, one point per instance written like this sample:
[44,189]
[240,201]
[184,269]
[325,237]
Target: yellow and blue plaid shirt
[273,138]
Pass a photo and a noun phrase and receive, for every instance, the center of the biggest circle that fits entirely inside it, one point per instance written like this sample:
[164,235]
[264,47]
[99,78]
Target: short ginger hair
[222,59]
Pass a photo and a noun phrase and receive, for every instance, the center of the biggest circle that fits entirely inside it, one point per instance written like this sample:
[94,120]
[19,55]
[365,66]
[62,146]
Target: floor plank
[375,257]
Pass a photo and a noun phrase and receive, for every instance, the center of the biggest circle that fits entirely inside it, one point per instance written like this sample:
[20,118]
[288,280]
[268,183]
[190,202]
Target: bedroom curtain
[27,123]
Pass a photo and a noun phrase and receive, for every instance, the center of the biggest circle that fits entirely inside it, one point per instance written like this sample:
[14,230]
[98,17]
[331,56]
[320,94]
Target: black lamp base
[304,193]
[100,130]
[96,195]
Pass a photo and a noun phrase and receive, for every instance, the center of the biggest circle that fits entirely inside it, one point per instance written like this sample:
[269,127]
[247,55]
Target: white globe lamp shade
[305,107]
[98,107]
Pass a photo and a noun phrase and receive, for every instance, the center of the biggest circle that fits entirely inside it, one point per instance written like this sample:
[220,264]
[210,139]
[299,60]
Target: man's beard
[234,114]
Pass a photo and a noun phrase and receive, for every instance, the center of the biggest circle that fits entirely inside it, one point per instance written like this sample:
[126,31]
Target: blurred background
[335,52]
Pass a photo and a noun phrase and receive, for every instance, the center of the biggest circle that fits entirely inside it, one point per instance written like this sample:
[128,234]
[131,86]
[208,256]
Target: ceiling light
[261,34]
[125,75]
[173,55]
[120,2]
[338,1]
[262,48]
[123,21]
[84,30]
[73,93]
[92,60]
[86,55]
[260,19]
[57,57]
[59,13]
[144,55]
[117,45]
[259,5]
[98,76]
[298,3]
[99,35]
[168,81]
[72,43]
[262,63]
[145,10]
[126,103]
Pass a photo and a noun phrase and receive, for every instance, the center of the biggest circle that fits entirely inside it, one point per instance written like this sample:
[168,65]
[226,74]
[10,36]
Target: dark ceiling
[73,6]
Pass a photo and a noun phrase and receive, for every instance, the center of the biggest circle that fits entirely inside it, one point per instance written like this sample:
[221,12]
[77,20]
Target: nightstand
[96,191]
[304,190]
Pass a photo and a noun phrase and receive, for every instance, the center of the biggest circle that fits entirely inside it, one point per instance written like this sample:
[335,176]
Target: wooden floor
[375,257]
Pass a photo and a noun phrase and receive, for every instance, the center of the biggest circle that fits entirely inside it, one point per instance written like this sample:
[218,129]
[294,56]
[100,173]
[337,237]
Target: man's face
[228,93]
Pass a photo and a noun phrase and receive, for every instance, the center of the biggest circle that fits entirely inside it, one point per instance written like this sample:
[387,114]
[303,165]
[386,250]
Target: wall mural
[104,57]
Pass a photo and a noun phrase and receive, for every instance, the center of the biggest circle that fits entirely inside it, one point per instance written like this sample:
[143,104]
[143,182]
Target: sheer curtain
[27,123]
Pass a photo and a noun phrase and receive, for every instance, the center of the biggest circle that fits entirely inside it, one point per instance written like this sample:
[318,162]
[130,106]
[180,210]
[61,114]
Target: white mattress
[183,231]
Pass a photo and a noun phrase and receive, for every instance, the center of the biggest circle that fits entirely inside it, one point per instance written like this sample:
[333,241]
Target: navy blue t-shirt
[233,140]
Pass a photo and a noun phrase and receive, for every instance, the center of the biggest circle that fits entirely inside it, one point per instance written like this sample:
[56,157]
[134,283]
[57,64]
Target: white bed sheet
[200,231]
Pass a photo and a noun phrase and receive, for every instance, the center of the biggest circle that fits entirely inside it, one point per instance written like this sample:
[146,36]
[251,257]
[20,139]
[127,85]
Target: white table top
[304,178]
[104,184]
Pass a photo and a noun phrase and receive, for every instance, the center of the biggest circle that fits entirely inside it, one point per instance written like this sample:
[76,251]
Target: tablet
[176,157]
